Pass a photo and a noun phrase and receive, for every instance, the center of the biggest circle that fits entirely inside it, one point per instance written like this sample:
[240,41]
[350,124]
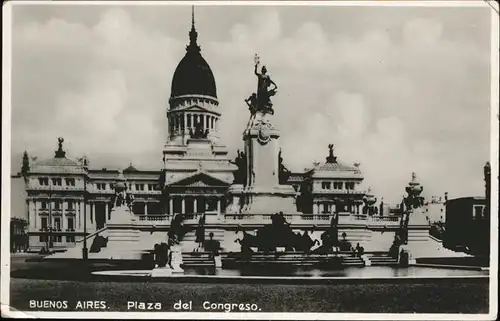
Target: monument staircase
[197,259]
[381,258]
[235,260]
[379,241]
[125,237]
[349,260]
[354,236]
[189,245]
[294,259]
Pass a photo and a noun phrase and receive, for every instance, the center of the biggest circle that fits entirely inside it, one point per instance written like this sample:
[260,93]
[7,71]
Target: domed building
[197,171]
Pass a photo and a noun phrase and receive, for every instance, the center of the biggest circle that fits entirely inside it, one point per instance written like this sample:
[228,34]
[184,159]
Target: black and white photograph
[250,160]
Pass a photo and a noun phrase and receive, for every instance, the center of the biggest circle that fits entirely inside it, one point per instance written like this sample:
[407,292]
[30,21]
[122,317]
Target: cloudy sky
[396,89]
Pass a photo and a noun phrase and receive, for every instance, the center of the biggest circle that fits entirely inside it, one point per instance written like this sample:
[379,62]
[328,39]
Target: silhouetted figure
[200,232]
[162,255]
[358,249]
[307,242]
[344,245]
[212,245]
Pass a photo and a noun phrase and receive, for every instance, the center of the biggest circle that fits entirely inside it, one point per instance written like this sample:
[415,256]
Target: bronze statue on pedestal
[266,88]
[240,175]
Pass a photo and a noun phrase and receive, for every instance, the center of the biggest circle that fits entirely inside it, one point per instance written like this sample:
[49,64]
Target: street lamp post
[51,241]
[85,252]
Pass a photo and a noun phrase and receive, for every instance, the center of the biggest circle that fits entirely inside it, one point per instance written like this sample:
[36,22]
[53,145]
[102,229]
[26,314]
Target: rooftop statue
[331,157]
[60,153]
[61,141]
[266,88]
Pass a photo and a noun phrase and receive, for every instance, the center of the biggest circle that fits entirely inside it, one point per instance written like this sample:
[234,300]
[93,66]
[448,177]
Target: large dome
[193,75]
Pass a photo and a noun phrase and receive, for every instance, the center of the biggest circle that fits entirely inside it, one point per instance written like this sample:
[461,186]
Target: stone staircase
[355,236]
[197,259]
[262,259]
[123,237]
[188,243]
[352,261]
[380,241]
[148,239]
[382,260]
[233,260]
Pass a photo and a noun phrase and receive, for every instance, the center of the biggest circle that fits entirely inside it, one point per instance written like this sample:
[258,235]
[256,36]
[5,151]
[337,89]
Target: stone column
[91,217]
[315,208]
[146,207]
[219,201]
[32,214]
[170,206]
[195,205]
[63,214]
[106,211]
[80,214]
[185,123]
[183,207]
[35,213]
[29,212]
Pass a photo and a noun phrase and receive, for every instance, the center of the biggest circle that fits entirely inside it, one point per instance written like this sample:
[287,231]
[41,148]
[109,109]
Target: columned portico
[191,204]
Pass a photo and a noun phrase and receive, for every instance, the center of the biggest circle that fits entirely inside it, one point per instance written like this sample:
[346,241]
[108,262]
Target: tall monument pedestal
[262,193]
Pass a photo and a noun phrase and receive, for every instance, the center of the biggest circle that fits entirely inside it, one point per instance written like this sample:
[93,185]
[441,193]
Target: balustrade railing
[315,217]
[320,218]
[384,218]
[240,216]
[154,218]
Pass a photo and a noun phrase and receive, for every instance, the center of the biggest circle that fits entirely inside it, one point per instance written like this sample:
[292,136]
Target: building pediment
[197,109]
[198,179]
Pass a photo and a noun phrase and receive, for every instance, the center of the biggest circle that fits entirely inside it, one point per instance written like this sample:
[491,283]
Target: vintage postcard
[250,160]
